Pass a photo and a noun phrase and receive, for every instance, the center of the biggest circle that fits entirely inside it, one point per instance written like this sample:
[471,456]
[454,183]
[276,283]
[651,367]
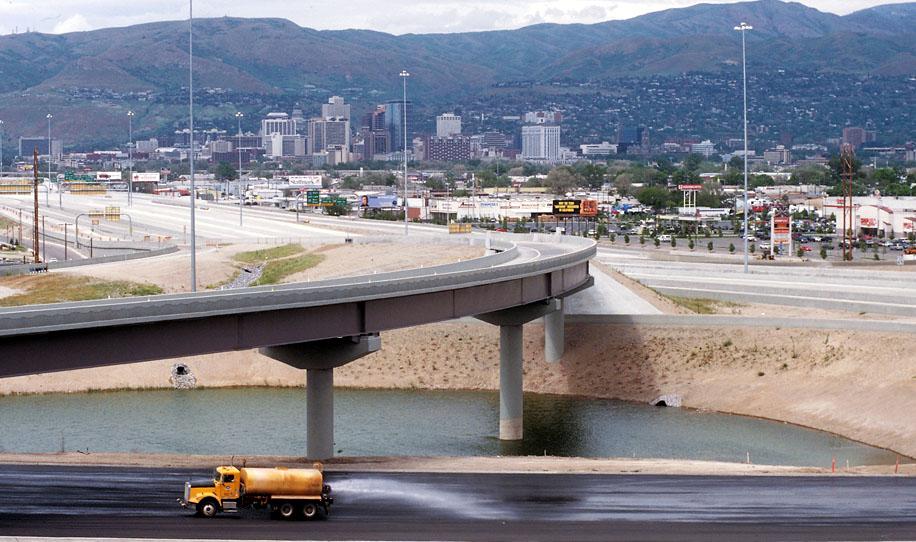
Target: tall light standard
[60,194]
[239,116]
[191,141]
[130,156]
[404,76]
[743,27]
[1,149]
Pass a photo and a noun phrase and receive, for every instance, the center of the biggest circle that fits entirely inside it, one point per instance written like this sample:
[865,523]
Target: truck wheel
[309,510]
[287,510]
[207,508]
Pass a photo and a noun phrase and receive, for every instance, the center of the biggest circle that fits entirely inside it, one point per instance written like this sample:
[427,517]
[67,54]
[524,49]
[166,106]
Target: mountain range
[278,57]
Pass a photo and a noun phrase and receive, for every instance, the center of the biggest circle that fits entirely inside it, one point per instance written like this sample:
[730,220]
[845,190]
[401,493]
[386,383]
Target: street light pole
[239,116]
[743,27]
[404,76]
[1,150]
[130,156]
[60,196]
[191,155]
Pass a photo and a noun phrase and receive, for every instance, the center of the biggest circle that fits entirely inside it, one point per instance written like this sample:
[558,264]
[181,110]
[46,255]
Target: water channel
[271,421]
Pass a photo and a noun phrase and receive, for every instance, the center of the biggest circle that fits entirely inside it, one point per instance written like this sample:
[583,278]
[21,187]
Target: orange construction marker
[833,465]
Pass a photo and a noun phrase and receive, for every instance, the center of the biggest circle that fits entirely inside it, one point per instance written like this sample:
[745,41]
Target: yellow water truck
[287,492]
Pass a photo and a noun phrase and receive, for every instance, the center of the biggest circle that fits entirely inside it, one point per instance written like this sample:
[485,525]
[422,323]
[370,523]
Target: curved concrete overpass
[64,336]
[316,325]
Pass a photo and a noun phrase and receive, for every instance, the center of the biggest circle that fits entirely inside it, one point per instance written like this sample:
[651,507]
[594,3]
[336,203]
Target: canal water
[270,421]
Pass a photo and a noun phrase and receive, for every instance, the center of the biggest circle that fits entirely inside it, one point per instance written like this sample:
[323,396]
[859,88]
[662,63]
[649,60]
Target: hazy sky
[393,16]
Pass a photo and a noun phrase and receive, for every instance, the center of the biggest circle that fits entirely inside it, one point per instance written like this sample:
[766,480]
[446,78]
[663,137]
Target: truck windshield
[216,476]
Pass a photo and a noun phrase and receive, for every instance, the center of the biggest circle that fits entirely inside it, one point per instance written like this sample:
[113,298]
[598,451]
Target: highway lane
[135,502]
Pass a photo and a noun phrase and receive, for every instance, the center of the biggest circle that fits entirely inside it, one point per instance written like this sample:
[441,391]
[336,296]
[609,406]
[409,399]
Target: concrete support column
[319,358]
[554,323]
[511,348]
[510,382]
[320,413]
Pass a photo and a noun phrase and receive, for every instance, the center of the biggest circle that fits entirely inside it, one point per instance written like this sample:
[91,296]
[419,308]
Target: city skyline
[432,16]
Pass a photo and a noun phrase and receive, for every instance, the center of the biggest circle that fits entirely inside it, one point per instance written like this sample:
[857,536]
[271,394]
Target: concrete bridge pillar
[319,358]
[554,323]
[511,348]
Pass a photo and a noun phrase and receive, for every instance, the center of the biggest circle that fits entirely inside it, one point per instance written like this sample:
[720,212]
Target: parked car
[664,238]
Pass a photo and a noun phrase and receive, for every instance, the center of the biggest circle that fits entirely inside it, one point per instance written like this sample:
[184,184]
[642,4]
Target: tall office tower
[394,122]
[447,148]
[324,133]
[335,108]
[540,142]
[278,123]
[448,124]
[629,134]
[45,146]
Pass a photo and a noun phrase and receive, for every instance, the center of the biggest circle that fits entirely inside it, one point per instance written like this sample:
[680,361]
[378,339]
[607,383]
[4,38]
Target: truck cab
[211,496]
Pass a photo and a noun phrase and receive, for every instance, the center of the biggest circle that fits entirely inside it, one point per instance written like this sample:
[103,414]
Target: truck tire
[286,510]
[207,508]
[309,510]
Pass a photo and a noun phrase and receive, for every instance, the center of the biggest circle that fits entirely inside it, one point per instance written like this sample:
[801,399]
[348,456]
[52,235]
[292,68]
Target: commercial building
[892,215]
[706,148]
[598,149]
[323,133]
[27,146]
[448,124]
[395,113]
[279,145]
[279,123]
[541,143]
[335,108]
[858,136]
[779,155]
[447,149]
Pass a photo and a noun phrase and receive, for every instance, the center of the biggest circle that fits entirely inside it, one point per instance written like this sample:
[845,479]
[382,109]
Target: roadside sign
[566,206]
[312,198]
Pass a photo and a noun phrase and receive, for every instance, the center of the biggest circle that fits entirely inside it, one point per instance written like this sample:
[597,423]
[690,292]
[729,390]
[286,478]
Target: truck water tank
[281,481]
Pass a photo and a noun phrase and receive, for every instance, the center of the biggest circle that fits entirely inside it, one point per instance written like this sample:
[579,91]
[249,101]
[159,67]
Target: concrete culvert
[667,400]
[182,378]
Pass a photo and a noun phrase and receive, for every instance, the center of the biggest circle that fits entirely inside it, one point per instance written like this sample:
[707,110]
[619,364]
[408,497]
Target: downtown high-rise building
[448,124]
[328,132]
[335,108]
[395,111]
[541,142]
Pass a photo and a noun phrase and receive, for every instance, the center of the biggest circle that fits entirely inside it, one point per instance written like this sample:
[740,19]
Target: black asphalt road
[131,502]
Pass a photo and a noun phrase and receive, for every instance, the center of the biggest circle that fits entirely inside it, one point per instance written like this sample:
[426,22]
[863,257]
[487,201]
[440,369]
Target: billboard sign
[781,230]
[687,187]
[146,178]
[566,206]
[376,200]
[781,224]
[305,181]
[104,176]
[589,207]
